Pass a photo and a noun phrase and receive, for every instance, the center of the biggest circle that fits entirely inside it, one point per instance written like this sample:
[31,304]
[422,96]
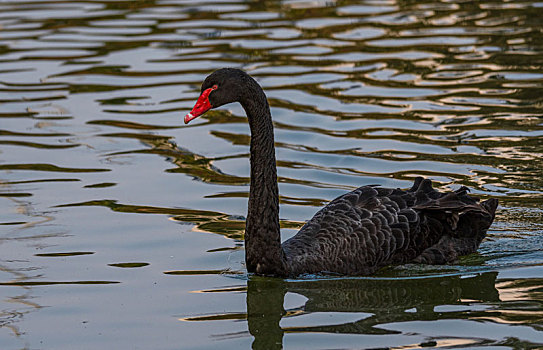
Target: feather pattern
[371,227]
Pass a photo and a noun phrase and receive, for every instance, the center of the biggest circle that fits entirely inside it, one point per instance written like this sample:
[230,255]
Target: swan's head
[223,86]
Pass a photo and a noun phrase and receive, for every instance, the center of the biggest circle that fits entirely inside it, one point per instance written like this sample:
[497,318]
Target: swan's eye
[214,87]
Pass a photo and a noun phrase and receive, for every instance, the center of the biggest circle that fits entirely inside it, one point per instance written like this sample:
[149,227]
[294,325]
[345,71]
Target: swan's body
[356,233]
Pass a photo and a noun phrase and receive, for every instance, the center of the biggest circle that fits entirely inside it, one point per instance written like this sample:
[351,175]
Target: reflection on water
[377,306]
[92,95]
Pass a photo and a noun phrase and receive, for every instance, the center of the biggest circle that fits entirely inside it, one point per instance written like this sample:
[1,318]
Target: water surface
[123,228]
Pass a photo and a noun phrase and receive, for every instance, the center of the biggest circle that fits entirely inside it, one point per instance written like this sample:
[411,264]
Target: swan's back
[370,227]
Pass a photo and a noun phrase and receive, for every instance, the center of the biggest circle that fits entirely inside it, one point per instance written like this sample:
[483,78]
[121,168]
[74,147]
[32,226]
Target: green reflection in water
[130,265]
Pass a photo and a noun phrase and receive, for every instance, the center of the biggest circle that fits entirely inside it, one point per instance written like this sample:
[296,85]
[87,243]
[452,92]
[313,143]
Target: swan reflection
[359,305]
[386,301]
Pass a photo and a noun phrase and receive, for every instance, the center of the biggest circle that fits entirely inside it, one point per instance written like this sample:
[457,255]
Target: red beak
[202,105]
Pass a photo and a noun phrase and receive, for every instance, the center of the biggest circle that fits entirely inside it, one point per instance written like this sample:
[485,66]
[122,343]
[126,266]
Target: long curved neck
[263,252]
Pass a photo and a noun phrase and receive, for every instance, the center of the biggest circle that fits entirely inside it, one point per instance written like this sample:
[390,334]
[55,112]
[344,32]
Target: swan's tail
[463,220]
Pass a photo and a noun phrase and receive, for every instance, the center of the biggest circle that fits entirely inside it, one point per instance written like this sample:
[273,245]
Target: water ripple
[92,95]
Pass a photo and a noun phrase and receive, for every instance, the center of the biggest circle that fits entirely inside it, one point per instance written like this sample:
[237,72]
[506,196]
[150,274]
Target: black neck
[263,252]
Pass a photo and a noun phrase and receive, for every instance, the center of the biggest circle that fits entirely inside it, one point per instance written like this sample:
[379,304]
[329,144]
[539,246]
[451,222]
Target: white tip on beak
[188,118]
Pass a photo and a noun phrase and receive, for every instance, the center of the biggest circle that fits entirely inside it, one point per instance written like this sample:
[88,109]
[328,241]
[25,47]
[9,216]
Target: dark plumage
[356,233]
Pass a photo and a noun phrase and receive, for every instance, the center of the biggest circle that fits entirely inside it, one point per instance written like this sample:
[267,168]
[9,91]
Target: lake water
[122,228]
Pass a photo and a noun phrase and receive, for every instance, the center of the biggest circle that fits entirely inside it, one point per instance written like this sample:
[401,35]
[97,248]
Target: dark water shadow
[377,301]
[386,301]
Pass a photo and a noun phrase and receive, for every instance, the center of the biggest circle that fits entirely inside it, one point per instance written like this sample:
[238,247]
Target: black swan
[356,233]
